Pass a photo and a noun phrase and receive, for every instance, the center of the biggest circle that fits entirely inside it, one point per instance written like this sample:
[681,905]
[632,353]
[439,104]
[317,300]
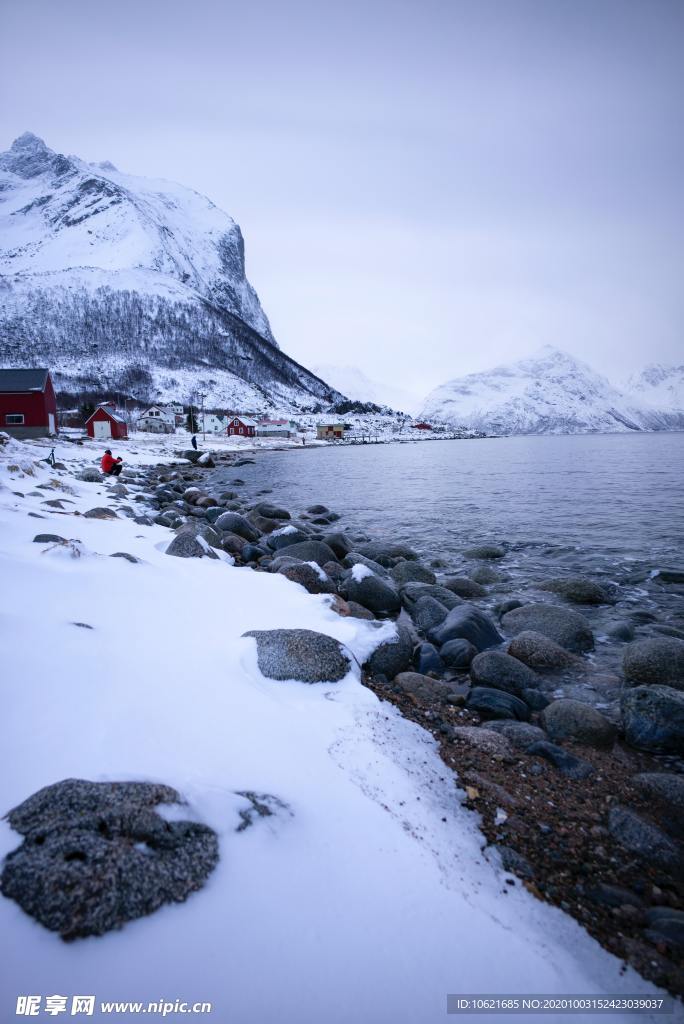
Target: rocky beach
[573,770]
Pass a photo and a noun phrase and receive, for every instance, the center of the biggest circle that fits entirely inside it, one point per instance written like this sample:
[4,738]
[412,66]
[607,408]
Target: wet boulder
[427,659]
[233,522]
[309,551]
[502,672]
[412,592]
[573,720]
[659,660]
[538,652]
[411,572]
[353,558]
[379,549]
[486,552]
[562,625]
[664,791]
[464,587]
[490,703]
[286,536]
[97,854]
[316,582]
[338,542]
[458,654]
[562,760]
[579,590]
[300,654]
[373,592]
[521,735]
[653,718]
[269,511]
[466,622]
[427,613]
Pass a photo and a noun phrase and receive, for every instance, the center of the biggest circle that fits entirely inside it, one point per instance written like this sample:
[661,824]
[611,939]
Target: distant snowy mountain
[548,393]
[128,284]
[356,385]
[661,389]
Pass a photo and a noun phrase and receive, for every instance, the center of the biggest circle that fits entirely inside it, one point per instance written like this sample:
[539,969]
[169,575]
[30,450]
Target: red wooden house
[242,426]
[28,407]
[106,424]
[422,426]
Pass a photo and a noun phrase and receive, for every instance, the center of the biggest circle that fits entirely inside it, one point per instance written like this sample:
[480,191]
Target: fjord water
[610,499]
[608,507]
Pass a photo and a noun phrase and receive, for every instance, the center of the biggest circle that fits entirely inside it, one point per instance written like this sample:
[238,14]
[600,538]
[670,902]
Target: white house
[210,423]
[158,420]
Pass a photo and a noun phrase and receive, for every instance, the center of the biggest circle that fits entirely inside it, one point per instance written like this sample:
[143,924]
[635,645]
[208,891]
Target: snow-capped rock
[132,284]
[550,392]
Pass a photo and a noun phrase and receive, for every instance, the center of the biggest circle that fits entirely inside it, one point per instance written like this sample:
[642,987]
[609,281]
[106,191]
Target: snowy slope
[660,388]
[367,897]
[354,383]
[550,392]
[108,278]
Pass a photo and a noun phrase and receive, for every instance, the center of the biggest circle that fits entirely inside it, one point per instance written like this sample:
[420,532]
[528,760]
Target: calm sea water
[613,499]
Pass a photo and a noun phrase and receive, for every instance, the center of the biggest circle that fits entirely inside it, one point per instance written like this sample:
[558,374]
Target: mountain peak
[28,157]
[28,141]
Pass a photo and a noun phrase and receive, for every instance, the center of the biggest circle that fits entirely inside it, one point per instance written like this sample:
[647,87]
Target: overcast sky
[425,188]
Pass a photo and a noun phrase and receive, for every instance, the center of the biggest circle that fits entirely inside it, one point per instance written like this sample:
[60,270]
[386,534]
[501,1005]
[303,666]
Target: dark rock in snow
[49,538]
[566,763]
[187,545]
[392,656]
[353,558]
[311,551]
[562,625]
[538,652]
[644,839]
[573,720]
[490,703]
[458,654]
[514,862]
[301,654]
[291,535]
[126,555]
[660,661]
[100,513]
[502,672]
[466,622]
[233,544]
[374,593]
[653,718]
[96,855]
[306,576]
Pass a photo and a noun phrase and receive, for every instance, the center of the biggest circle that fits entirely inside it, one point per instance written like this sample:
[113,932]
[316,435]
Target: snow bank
[365,896]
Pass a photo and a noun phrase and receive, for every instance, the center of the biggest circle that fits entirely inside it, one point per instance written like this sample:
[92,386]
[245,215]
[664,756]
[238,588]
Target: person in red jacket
[110,465]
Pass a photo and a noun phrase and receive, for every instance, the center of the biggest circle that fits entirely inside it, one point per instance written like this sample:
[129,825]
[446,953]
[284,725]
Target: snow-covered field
[367,899]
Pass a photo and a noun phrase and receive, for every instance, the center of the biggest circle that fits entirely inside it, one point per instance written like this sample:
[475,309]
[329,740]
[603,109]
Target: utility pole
[202,396]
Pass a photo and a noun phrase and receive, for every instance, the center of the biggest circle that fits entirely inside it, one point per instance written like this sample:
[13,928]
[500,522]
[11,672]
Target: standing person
[193,442]
[110,465]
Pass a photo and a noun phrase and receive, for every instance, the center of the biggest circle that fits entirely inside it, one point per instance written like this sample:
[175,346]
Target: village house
[211,423]
[330,431]
[276,428]
[28,406]
[421,426]
[179,413]
[106,424]
[242,426]
[158,420]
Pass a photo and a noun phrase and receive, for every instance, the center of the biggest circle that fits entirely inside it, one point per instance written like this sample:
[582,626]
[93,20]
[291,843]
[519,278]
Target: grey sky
[425,189]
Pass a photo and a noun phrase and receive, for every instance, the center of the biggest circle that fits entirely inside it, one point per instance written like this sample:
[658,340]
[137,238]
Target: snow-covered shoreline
[368,898]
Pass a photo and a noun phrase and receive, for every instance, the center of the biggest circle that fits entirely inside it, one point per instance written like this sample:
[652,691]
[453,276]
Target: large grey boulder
[660,660]
[353,558]
[653,718]
[338,542]
[458,654]
[427,659]
[665,791]
[487,552]
[301,654]
[520,734]
[490,703]
[97,854]
[540,653]
[423,687]
[374,593]
[90,474]
[100,512]
[269,511]
[310,551]
[644,839]
[290,535]
[411,572]
[233,522]
[466,622]
[199,528]
[393,656]
[573,720]
[579,590]
[187,545]
[502,672]
[381,549]
[562,625]
[427,613]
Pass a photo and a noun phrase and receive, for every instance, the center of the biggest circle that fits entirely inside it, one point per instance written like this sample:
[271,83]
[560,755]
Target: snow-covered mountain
[661,389]
[128,284]
[356,385]
[550,392]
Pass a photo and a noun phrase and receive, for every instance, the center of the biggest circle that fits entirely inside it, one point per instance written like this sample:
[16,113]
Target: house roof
[109,412]
[246,421]
[14,381]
